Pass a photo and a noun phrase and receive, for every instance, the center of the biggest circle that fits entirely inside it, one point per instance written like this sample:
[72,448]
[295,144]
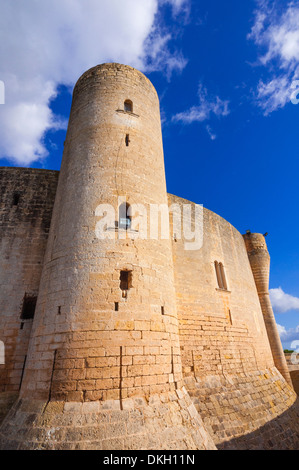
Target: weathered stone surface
[161,423]
[239,411]
[26,202]
[177,361]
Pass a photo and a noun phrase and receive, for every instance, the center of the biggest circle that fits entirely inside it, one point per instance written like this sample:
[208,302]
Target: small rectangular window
[124,211]
[28,309]
[127,140]
[16,199]
[116,306]
[125,280]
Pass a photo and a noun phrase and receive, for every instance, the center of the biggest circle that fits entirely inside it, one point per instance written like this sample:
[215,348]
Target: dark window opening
[162,310]
[124,220]
[127,140]
[220,274]
[28,309]
[116,306]
[128,106]
[59,310]
[22,326]
[16,199]
[125,280]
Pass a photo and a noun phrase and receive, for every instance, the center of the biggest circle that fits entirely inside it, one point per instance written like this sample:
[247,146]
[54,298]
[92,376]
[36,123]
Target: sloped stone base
[256,410]
[164,422]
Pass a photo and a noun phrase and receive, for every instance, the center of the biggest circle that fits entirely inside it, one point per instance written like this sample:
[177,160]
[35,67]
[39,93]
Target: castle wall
[27,198]
[180,357]
[227,361]
[220,330]
[97,340]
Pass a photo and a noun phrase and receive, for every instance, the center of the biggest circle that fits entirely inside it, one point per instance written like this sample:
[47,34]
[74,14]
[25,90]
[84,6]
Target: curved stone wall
[227,360]
[221,330]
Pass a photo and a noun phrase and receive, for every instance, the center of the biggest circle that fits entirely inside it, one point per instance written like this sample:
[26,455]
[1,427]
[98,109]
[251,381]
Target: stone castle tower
[128,348]
[260,264]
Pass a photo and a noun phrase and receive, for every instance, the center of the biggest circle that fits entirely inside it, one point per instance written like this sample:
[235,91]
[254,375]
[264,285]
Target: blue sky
[226,74]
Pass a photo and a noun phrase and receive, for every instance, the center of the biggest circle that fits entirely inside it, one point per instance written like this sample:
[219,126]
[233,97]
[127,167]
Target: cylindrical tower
[106,327]
[260,264]
[101,301]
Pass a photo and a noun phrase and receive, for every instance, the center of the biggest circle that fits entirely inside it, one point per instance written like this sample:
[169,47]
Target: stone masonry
[136,342]
[27,198]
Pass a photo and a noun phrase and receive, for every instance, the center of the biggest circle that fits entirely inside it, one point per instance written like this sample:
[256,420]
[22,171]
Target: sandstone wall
[259,259]
[106,366]
[227,361]
[220,330]
[27,198]
[94,340]
[102,348]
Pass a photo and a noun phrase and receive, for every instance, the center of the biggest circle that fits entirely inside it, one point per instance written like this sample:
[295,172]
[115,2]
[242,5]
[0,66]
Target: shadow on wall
[7,399]
[282,433]
[295,380]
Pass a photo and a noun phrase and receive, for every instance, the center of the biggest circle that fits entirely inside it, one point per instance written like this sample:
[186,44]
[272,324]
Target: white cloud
[274,94]
[178,6]
[207,107]
[281,330]
[212,135]
[158,56]
[282,302]
[288,335]
[277,34]
[51,42]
